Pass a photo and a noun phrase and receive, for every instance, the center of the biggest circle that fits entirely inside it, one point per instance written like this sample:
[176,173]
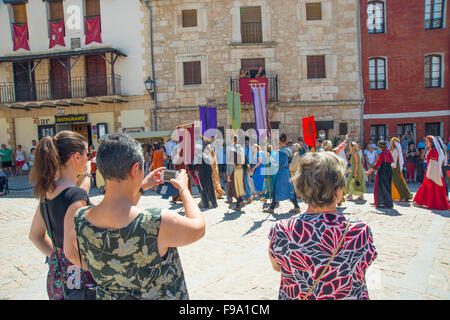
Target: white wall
[121,29]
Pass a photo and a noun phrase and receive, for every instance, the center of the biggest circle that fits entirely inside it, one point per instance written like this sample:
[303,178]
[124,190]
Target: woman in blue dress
[283,189]
[258,170]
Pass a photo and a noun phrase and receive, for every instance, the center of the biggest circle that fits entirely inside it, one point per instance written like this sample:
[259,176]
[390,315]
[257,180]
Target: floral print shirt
[125,262]
[302,246]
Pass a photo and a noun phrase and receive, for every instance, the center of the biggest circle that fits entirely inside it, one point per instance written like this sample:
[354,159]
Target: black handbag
[84,293]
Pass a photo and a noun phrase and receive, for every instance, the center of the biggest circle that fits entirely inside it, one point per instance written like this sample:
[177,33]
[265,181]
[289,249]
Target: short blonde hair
[319,176]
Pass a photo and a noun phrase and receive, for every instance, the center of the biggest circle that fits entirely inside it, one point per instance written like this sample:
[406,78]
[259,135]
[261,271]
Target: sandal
[269,210]
[295,210]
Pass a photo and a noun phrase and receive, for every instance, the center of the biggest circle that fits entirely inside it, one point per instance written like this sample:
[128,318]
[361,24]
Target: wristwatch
[141,191]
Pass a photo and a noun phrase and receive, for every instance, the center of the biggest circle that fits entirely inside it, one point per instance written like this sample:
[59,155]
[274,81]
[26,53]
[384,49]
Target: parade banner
[259,105]
[57,34]
[208,120]
[245,88]
[234,108]
[186,140]
[92,27]
[20,36]
[309,131]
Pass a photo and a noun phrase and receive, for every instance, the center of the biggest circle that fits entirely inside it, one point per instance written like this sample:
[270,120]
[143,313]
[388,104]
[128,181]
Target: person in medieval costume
[215,171]
[258,169]
[444,163]
[247,166]
[400,190]
[269,173]
[283,189]
[382,192]
[205,172]
[235,177]
[178,164]
[356,182]
[328,146]
[432,192]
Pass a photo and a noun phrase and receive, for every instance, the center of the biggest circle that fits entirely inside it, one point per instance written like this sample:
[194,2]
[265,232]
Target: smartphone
[167,175]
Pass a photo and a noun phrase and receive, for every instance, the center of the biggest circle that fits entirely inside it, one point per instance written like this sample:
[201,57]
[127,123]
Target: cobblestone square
[231,262]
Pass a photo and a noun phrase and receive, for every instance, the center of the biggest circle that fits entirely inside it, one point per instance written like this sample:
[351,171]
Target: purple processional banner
[208,119]
[259,104]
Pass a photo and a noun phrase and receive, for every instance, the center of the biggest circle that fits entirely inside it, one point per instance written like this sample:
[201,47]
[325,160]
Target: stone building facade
[105,108]
[289,34]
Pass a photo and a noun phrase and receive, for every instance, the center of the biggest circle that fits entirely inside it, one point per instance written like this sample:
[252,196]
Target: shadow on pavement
[388,212]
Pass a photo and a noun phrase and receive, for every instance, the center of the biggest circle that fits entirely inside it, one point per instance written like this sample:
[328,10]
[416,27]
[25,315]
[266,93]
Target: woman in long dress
[382,192]
[356,182]
[400,190]
[270,174]
[215,172]
[431,193]
[328,146]
[258,170]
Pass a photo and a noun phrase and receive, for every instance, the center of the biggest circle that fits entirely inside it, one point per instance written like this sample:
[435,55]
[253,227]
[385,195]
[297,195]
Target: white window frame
[442,68]
[384,17]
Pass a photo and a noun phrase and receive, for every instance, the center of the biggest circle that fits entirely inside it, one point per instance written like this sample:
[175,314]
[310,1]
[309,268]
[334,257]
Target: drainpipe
[155,96]
[363,100]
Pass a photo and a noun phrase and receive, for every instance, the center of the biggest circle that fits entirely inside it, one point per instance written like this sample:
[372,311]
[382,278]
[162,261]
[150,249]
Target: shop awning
[143,135]
[22,57]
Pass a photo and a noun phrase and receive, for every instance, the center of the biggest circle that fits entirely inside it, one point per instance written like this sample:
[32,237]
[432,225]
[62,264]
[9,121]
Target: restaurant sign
[71,118]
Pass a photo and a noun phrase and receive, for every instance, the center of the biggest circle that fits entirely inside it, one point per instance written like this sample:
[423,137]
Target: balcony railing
[432,82]
[41,90]
[272,87]
[435,23]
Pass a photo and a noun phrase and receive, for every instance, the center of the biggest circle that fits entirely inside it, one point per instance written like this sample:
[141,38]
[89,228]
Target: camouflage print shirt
[125,262]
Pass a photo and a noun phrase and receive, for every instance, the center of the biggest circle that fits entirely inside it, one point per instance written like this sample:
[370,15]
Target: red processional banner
[309,131]
[245,88]
[92,29]
[20,36]
[57,34]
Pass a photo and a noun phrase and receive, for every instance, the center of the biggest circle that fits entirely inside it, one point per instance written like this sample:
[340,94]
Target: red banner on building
[309,131]
[20,36]
[57,34]
[246,91]
[92,29]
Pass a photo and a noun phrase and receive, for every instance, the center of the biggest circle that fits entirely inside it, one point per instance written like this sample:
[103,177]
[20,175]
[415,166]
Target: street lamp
[149,85]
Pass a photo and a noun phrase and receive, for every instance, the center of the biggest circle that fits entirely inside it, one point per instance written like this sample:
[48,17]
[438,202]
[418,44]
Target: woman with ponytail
[61,177]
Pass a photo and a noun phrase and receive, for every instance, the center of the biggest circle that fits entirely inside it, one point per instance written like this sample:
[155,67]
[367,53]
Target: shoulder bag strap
[329,262]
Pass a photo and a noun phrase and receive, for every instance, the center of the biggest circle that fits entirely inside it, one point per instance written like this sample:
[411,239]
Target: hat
[382,144]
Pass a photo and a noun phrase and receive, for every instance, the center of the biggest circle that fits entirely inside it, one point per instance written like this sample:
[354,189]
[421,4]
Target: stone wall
[288,38]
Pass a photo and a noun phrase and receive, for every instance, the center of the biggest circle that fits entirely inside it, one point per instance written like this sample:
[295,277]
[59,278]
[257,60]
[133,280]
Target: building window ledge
[270,44]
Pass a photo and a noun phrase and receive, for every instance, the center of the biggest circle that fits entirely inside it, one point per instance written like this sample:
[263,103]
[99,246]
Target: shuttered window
[314,11]
[316,67]
[189,18]
[251,25]
[92,8]
[56,10]
[20,13]
[192,73]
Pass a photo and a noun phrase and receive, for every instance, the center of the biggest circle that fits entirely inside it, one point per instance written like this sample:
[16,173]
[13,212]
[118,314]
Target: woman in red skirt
[431,193]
